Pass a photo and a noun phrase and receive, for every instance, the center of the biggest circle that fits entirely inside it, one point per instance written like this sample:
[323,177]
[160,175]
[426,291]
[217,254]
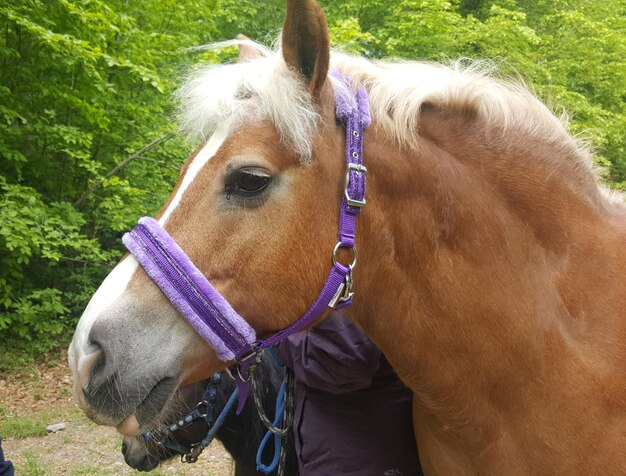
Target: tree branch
[120,166]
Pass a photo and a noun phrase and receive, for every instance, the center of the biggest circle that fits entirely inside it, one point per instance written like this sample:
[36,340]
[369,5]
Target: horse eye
[247,182]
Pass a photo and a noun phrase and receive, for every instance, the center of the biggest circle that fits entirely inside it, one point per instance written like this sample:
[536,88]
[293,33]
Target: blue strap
[220,419]
[280,408]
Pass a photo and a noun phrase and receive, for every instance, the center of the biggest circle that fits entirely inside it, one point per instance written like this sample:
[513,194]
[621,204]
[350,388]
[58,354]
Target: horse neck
[473,258]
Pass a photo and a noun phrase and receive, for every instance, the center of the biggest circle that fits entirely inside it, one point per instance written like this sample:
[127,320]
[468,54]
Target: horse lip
[149,408]
[129,426]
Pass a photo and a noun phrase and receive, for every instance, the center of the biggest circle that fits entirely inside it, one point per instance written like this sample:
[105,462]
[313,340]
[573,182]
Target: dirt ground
[83,448]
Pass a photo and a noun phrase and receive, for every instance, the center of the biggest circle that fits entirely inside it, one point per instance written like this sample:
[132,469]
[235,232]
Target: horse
[239,434]
[491,260]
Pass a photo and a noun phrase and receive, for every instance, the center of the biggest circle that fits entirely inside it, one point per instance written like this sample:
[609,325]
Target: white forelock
[261,89]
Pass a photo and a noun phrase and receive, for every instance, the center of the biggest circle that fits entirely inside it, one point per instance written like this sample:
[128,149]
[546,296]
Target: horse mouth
[139,456]
[149,408]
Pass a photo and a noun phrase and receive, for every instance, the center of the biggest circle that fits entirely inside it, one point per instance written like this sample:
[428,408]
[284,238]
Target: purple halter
[207,311]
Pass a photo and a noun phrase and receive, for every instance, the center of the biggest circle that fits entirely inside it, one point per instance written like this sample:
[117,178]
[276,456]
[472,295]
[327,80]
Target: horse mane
[265,89]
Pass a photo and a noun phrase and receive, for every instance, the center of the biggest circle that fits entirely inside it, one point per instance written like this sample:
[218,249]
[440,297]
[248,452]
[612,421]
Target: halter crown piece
[205,308]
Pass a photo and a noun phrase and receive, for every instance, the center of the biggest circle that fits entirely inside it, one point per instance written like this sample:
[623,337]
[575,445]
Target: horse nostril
[92,347]
[89,362]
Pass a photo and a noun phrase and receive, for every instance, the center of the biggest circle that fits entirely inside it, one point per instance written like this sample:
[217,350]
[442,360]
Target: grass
[33,466]
[88,471]
[107,440]
[22,427]
[19,426]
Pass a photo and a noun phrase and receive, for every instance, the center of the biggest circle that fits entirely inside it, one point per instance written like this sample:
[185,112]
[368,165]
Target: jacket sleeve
[335,356]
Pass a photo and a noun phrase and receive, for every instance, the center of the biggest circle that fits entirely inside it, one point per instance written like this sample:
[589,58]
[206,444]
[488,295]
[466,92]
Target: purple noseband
[207,311]
[187,288]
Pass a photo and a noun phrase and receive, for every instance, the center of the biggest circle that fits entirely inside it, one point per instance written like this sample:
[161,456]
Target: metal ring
[354,253]
[203,408]
[241,377]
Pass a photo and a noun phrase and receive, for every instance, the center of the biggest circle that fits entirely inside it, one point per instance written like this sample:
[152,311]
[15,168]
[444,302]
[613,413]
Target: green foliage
[83,85]
[86,143]
[35,238]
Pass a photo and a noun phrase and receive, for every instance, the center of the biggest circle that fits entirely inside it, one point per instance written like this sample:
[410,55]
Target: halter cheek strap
[205,308]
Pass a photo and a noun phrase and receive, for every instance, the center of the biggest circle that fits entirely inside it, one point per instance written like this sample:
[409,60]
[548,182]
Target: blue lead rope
[278,418]
[206,441]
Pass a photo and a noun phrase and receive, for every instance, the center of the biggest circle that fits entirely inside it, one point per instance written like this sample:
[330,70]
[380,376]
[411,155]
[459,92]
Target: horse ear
[305,42]
[247,52]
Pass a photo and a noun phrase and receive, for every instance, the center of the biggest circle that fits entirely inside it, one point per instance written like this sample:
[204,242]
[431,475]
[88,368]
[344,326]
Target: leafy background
[88,142]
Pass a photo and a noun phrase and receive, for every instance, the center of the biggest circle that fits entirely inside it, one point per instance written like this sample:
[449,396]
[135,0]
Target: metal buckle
[253,352]
[349,200]
[344,292]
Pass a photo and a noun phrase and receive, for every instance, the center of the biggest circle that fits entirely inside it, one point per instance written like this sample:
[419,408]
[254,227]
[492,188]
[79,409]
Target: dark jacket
[6,467]
[352,413]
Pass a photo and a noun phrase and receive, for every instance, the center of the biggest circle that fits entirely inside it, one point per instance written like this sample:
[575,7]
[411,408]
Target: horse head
[252,210]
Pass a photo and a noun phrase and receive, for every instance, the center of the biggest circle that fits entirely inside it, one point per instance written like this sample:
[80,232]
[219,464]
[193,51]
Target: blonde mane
[265,89]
